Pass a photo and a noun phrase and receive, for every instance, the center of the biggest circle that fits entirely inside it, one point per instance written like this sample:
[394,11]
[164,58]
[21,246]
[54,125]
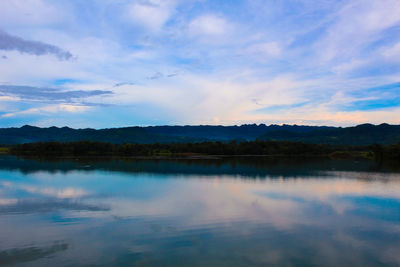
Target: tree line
[89,148]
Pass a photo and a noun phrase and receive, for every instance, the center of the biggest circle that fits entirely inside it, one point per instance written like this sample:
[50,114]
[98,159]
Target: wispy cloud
[46,110]
[123,83]
[209,24]
[30,12]
[156,76]
[151,14]
[10,42]
[43,93]
[355,26]
[291,61]
[381,97]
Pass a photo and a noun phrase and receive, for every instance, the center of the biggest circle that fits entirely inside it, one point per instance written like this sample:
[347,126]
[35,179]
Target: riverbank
[195,150]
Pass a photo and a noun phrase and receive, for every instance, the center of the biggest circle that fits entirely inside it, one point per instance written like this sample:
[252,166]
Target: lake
[217,212]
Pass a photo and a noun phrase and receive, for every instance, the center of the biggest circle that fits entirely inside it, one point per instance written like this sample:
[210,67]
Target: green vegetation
[271,148]
[281,148]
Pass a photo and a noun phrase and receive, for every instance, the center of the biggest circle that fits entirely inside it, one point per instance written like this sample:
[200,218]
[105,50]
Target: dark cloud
[10,42]
[42,93]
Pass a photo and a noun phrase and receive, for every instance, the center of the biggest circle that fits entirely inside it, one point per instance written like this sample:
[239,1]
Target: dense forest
[284,148]
[388,152]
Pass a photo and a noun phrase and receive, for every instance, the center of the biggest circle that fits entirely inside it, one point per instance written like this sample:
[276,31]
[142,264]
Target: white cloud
[209,24]
[48,109]
[9,98]
[356,25]
[263,50]
[231,65]
[151,14]
[29,12]
[211,99]
[350,65]
[392,53]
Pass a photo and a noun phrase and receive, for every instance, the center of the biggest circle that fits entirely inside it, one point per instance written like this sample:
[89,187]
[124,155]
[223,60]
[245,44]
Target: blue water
[249,212]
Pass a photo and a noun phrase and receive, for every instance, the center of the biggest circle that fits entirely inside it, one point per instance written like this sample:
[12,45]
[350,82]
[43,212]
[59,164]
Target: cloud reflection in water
[339,217]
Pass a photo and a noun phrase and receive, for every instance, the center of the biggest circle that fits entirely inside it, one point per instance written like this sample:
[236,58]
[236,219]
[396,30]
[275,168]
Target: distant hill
[359,135]
[246,132]
[31,134]
[364,134]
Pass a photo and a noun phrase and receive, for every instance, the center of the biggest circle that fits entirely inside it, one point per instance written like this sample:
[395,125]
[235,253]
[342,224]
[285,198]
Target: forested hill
[143,135]
[31,134]
[364,134]
[246,132]
[359,135]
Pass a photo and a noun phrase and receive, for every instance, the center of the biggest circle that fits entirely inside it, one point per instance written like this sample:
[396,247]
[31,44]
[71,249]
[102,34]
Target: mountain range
[364,134]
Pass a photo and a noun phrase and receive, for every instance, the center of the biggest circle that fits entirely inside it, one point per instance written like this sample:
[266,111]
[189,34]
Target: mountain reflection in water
[222,212]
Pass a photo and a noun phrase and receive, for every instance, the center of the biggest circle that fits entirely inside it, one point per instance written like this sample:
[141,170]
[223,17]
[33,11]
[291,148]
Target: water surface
[227,212]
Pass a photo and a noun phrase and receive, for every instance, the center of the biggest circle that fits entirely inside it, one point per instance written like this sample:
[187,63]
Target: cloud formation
[151,14]
[202,62]
[48,110]
[9,42]
[42,93]
[208,25]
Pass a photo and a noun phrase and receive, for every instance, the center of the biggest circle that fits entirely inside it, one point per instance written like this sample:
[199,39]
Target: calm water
[246,212]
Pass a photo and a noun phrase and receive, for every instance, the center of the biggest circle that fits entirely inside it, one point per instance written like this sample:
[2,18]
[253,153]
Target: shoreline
[192,157]
[205,150]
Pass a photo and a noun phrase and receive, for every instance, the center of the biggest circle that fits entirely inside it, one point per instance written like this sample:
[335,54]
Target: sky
[115,63]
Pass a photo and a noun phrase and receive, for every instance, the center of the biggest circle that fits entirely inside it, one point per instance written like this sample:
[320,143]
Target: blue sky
[110,63]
